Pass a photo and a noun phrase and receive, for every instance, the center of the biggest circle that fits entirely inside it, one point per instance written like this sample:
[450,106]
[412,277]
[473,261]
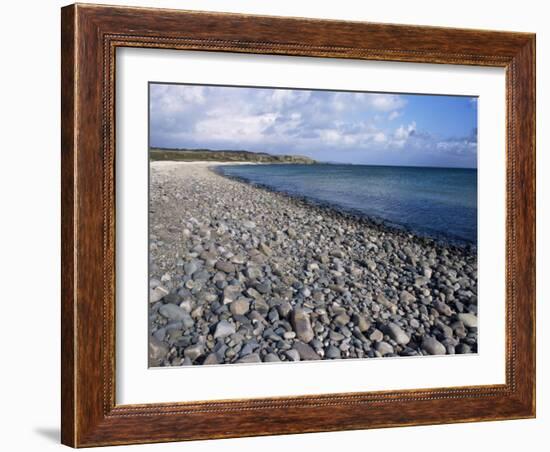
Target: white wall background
[29,238]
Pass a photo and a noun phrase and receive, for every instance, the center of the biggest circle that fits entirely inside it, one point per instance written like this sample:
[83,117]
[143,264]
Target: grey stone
[265,249]
[240,306]
[443,308]
[302,325]
[305,351]
[223,329]
[193,351]
[261,306]
[406,297]
[342,319]
[332,352]
[292,355]
[226,267]
[289,334]
[463,349]
[376,336]
[254,272]
[252,358]
[371,265]
[157,294]
[160,334]
[172,298]
[212,358]
[383,348]
[271,358]
[427,272]
[420,281]
[264,287]
[433,346]
[381,299]
[177,314]
[397,334]
[190,267]
[231,293]
[157,351]
[363,323]
[469,320]
[238,259]
[284,309]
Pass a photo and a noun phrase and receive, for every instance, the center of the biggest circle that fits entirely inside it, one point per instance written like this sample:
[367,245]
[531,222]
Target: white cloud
[241,128]
[386,102]
[176,98]
[405,131]
[394,115]
[457,146]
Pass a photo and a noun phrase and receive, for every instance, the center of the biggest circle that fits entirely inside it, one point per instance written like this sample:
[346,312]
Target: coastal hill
[224,156]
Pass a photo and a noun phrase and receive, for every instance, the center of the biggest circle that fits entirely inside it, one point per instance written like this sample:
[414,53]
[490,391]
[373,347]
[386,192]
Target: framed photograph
[282,225]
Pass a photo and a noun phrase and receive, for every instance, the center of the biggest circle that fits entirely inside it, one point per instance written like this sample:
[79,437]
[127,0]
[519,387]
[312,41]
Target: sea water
[436,202]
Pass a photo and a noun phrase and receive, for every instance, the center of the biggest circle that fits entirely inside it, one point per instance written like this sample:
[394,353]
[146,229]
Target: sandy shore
[242,274]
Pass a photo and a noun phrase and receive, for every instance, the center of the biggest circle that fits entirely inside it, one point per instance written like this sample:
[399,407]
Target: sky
[329,126]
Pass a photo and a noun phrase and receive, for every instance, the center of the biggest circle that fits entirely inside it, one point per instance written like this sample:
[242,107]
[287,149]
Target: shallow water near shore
[436,202]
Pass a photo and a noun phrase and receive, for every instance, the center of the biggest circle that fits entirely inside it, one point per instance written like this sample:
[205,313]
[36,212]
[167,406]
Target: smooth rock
[265,249]
[443,308]
[226,267]
[463,349]
[383,348]
[193,352]
[292,355]
[302,325]
[252,358]
[342,319]
[231,293]
[363,324]
[190,268]
[271,358]
[289,334]
[240,306]
[397,334]
[376,336]
[469,320]
[406,297]
[284,309]
[176,314]
[305,351]
[332,352]
[433,346]
[381,299]
[223,329]
[157,351]
[157,294]
[212,358]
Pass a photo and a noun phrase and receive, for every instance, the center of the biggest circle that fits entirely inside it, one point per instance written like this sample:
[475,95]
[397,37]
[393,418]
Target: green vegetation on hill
[224,156]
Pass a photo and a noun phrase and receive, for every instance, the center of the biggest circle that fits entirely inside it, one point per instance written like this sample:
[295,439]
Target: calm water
[435,202]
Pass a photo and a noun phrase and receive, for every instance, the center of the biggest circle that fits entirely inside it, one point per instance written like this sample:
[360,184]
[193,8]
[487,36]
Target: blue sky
[334,126]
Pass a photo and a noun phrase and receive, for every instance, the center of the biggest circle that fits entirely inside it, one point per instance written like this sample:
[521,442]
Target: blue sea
[440,203]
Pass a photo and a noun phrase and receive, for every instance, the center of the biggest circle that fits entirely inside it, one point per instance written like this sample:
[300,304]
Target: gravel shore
[239,274]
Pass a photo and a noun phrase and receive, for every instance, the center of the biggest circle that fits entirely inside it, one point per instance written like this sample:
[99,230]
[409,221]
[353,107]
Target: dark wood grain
[68,244]
[90,36]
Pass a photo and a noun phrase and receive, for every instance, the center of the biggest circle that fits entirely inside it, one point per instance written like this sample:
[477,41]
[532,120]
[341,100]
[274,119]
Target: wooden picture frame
[90,36]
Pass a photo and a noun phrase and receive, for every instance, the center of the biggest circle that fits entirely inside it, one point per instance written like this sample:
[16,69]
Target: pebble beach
[241,274]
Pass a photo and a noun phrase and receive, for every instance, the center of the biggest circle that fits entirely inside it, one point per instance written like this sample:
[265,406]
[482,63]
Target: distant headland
[209,155]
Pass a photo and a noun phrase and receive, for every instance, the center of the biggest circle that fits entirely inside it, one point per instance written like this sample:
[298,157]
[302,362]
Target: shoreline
[243,274]
[392,228]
